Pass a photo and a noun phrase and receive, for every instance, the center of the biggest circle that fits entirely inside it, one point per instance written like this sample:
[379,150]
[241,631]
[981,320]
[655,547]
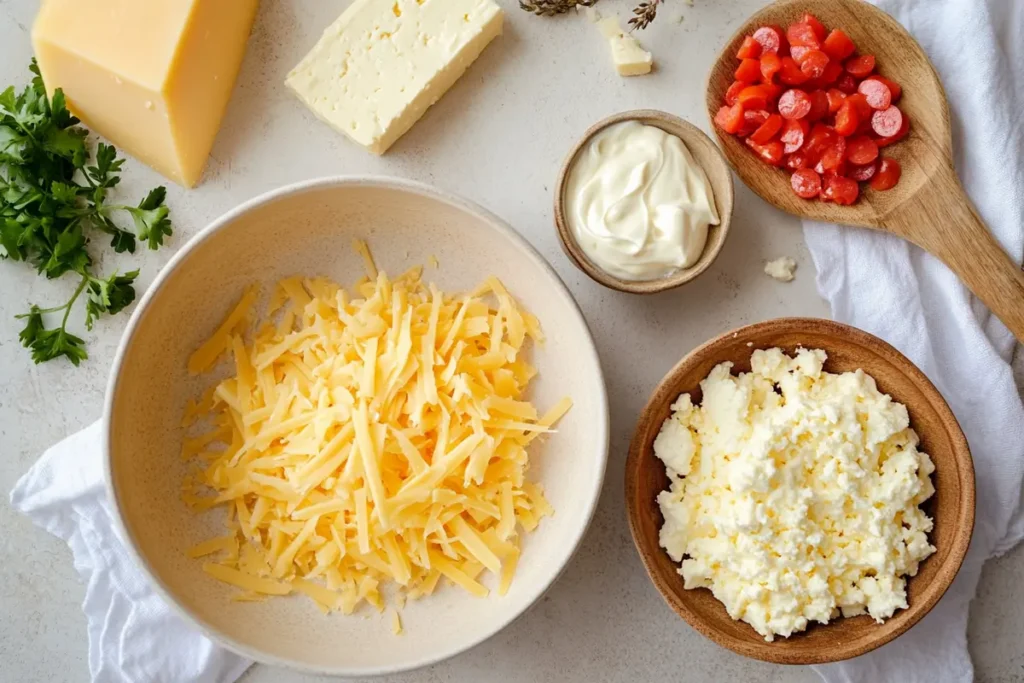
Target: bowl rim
[601,421]
[671,124]
[965,472]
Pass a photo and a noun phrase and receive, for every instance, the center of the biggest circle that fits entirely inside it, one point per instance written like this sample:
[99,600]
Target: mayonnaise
[638,203]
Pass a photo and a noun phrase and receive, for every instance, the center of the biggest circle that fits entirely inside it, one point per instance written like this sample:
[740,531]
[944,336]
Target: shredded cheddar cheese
[367,437]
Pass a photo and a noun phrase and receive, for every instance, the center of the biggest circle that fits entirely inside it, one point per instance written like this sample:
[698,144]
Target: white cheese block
[628,55]
[377,69]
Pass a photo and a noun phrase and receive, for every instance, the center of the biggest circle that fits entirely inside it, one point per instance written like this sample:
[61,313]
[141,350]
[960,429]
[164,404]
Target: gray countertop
[498,138]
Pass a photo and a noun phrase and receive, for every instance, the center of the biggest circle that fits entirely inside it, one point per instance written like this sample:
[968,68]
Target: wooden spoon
[928,207]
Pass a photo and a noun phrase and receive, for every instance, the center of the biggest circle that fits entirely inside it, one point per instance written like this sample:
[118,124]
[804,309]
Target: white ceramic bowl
[308,229]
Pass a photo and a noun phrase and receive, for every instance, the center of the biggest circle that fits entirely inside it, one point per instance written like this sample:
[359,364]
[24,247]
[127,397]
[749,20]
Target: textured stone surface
[498,137]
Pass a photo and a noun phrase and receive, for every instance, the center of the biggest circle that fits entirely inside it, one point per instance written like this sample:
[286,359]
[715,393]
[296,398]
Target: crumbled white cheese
[781,269]
[794,493]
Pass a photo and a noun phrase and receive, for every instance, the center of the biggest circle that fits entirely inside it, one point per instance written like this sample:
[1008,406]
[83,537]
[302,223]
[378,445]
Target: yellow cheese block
[152,76]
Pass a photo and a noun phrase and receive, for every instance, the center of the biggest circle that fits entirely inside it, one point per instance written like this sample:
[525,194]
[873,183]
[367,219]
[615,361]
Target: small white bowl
[307,229]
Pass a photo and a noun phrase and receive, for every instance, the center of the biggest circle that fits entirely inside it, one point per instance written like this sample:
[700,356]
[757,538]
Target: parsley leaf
[109,296]
[50,343]
[54,343]
[33,327]
[123,241]
[52,199]
[151,218]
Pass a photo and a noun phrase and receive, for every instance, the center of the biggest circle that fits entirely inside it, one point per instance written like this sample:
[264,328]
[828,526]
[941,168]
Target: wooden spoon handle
[963,242]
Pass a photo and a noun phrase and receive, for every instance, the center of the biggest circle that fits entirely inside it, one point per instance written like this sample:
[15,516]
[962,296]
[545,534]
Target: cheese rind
[380,66]
[152,77]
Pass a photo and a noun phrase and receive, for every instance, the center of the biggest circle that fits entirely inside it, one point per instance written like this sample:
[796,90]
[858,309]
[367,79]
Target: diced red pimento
[876,93]
[798,160]
[847,83]
[749,71]
[730,118]
[887,176]
[860,67]
[860,150]
[838,45]
[904,129]
[864,173]
[894,87]
[794,132]
[798,52]
[806,183]
[767,130]
[750,49]
[847,118]
[771,64]
[819,28]
[805,99]
[820,137]
[841,190]
[819,106]
[833,70]
[752,120]
[770,38]
[834,154]
[835,99]
[813,64]
[790,72]
[733,93]
[757,96]
[888,122]
[803,34]
[794,104]
[770,153]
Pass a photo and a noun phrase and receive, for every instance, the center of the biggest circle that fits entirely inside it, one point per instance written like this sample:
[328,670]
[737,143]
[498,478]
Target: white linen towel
[134,637]
[896,291]
[872,281]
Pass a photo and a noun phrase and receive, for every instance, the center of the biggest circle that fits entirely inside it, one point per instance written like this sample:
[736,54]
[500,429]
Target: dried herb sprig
[644,14]
[549,8]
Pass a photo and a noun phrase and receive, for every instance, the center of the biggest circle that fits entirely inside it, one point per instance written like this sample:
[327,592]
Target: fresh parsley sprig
[52,199]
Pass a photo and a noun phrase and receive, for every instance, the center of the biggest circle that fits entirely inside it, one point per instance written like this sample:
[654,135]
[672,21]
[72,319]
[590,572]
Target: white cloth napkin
[134,637]
[896,291]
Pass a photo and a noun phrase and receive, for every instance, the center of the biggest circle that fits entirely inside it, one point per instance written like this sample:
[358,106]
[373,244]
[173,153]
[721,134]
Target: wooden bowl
[952,506]
[719,176]
[928,194]
[307,229]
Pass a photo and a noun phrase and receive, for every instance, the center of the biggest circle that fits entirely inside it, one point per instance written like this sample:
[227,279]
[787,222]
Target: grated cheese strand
[367,437]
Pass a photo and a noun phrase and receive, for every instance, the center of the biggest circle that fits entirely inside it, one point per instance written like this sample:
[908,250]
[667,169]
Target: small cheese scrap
[781,269]
[383,63]
[629,57]
[367,437]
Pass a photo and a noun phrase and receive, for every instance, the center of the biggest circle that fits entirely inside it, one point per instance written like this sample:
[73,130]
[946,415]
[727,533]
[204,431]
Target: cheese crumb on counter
[794,493]
[383,63]
[628,56]
[781,269]
[368,436]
